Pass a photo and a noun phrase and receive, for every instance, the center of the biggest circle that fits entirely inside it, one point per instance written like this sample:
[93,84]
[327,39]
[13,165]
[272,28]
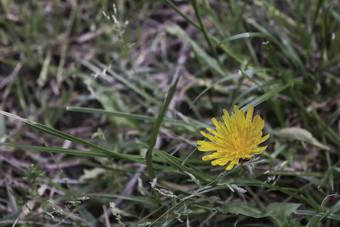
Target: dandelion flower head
[237,137]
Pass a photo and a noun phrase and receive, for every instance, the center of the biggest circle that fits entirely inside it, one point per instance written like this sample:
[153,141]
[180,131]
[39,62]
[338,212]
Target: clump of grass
[124,152]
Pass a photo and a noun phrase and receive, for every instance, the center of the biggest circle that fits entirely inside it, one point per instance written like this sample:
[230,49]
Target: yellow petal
[258,123]
[264,138]
[210,157]
[258,150]
[210,137]
[226,119]
[226,114]
[236,110]
[249,114]
[217,125]
[220,162]
[212,131]
[206,146]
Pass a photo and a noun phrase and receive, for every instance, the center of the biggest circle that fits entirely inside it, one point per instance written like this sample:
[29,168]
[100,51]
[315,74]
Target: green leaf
[300,134]
[235,208]
[277,211]
[281,211]
[91,174]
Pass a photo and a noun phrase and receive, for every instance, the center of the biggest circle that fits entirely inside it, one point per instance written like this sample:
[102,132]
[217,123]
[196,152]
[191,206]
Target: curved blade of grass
[251,89]
[137,199]
[316,214]
[332,210]
[137,116]
[251,79]
[2,126]
[97,165]
[249,35]
[204,31]
[203,191]
[331,133]
[102,67]
[88,153]
[289,191]
[111,113]
[154,135]
[58,150]
[226,48]
[268,95]
[143,220]
[283,45]
[230,77]
[186,18]
[272,56]
[178,164]
[155,130]
[65,136]
[168,211]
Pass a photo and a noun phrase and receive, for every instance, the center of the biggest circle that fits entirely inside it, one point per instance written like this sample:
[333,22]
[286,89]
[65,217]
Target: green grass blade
[120,78]
[251,89]
[111,113]
[154,135]
[317,214]
[178,164]
[65,136]
[58,150]
[230,77]
[272,57]
[2,127]
[335,208]
[268,95]
[204,31]
[155,131]
[332,134]
[226,48]
[178,11]
[137,199]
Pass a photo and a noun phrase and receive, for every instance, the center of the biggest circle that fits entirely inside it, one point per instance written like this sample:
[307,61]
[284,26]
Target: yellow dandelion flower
[236,139]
